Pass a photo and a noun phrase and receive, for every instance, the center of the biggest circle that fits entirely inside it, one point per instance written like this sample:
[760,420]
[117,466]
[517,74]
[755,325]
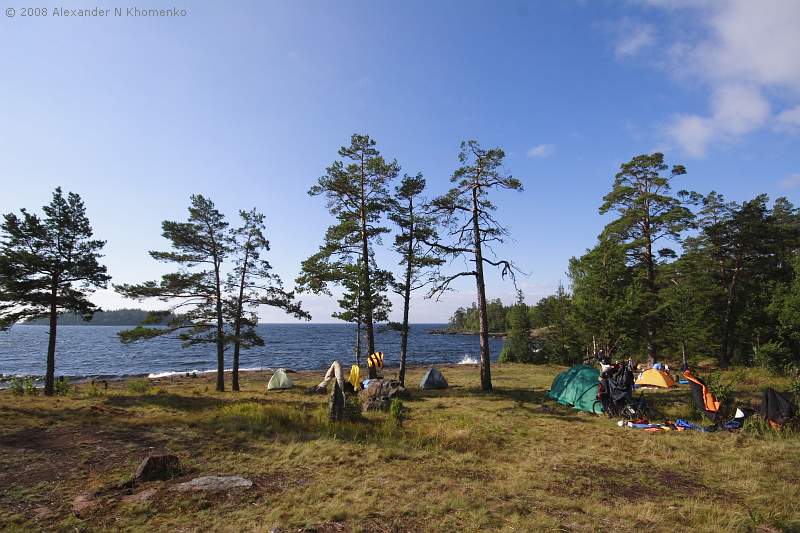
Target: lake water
[96,350]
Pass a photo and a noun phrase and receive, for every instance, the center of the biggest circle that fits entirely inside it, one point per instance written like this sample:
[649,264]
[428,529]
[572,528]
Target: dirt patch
[39,466]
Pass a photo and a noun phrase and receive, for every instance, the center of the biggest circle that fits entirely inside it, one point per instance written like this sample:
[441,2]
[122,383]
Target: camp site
[309,266]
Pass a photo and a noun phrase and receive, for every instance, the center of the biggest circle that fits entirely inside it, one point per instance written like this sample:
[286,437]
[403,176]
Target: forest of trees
[115,317]
[674,275]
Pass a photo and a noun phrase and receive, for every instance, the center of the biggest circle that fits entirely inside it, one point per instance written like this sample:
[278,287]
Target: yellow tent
[655,378]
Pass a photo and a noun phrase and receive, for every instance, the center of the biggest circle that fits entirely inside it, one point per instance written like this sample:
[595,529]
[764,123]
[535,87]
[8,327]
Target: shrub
[62,386]
[397,412]
[29,383]
[139,386]
[93,391]
[17,386]
[724,391]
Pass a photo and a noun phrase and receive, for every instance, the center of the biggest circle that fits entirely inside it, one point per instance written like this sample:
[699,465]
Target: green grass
[452,460]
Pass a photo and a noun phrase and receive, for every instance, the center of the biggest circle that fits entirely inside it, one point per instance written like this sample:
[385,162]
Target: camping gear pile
[615,392]
[610,391]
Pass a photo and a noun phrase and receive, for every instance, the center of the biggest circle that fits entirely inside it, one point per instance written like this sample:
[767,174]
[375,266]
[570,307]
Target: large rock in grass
[214,484]
[158,466]
[379,394]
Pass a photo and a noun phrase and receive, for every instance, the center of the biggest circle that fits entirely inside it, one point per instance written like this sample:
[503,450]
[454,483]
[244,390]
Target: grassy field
[462,460]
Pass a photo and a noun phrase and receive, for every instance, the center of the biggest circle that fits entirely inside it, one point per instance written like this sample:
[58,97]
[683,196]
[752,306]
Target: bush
[724,391]
[397,412]
[139,386]
[17,387]
[62,386]
[93,391]
[29,384]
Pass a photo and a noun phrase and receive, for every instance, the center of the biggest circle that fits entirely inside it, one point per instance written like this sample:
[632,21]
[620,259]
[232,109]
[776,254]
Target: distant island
[116,317]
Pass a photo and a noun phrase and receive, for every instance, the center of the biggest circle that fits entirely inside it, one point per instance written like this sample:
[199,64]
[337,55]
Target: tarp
[279,380]
[655,378]
[703,397]
[577,387]
[433,379]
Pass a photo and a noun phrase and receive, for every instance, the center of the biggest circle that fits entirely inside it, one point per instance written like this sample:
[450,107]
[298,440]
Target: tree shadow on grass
[167,401]
[533,401]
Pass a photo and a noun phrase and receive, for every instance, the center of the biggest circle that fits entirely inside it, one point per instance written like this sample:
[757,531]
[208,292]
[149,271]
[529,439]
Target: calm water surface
[96,351]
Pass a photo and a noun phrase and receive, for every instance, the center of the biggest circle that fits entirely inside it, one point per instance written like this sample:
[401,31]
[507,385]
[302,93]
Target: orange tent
[655,378]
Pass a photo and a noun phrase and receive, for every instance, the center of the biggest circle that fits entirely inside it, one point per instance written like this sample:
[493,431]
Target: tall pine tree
[415,227]
[467,215]
[196,290]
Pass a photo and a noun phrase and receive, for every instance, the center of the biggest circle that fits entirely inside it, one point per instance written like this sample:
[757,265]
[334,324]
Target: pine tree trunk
[486,371]
[358,342]
[366,285]
[404,334]
[49,377]
[235,369]
[220,335]
[407,294]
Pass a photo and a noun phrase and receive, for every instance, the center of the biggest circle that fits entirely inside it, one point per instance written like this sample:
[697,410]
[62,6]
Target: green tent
[279,381]
[577,387]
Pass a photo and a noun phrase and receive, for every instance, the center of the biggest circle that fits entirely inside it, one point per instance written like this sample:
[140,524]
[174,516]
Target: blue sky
[248,102]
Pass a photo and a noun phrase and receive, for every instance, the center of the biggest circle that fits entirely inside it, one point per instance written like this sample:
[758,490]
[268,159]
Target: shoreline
[5,380]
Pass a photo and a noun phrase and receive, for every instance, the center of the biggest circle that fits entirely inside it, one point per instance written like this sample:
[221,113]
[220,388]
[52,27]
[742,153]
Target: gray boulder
[214,484]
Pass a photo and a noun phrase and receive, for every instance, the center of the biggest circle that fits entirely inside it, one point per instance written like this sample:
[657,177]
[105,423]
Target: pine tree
[356,190]
[416,227]
[49,265]
[648,214]
[200,246]
[467,216]
[251,284]
[517,346]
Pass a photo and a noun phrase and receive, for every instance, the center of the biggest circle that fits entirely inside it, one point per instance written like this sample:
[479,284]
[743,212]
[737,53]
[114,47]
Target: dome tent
[576,387]
[433,379]
[279,380]
[655,378]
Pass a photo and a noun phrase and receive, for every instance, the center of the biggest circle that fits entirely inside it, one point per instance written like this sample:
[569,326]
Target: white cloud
[692,133]
[632,37]
[542,150]
[739,109]
[791,182]
[744,51]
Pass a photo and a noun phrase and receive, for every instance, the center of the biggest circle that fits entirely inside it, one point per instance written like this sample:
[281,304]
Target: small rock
[214,484]
[140,497]
[158,466]
[83,504]
[43,513]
